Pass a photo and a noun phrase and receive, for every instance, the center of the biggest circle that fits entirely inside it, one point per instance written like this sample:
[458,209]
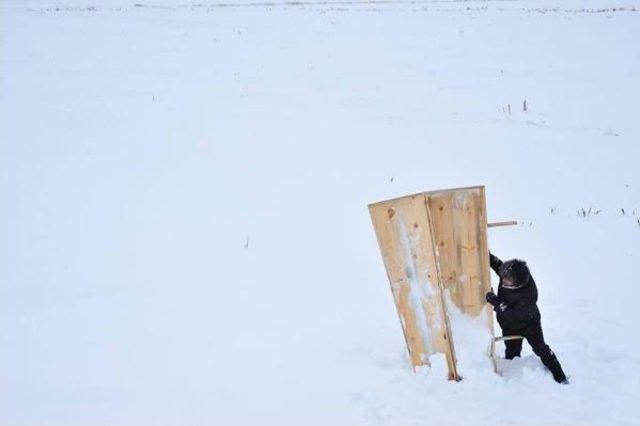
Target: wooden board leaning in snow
[404,235]
[434,247]
[459,222]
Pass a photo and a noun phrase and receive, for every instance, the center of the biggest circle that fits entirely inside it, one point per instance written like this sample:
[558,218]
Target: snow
[141,147]
[472,342]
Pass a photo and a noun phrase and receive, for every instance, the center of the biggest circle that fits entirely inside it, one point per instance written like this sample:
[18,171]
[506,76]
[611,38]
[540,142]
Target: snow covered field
[184,231]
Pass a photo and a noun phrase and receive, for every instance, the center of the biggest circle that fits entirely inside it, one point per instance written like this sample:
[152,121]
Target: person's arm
[492,299]
[494,262]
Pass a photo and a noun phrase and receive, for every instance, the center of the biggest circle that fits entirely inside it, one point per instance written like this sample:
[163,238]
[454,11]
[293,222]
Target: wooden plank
[483,251]
[434,246]
[404,235]
[441,208]
[506,223]
[425,193]
[460,229]
[459,225]
[451,353]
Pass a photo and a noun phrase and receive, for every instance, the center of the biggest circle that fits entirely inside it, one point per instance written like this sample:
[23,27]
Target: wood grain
[404,235]
[434,247]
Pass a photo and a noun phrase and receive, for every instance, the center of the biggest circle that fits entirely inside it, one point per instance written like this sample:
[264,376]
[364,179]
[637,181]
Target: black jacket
[517,308]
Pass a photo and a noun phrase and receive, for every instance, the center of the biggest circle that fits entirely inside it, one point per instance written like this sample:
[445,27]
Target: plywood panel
[434,246]
[459,224]
[404,235]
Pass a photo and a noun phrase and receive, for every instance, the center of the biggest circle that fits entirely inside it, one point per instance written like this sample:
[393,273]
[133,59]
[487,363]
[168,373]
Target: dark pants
[533,334]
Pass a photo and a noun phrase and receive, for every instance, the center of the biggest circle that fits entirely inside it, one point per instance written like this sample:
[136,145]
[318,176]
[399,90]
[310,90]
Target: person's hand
[492,299]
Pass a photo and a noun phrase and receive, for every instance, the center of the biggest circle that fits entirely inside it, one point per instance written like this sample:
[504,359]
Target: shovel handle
[503,338]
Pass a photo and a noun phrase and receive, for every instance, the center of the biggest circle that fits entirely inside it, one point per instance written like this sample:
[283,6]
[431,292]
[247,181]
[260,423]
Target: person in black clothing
[518,314]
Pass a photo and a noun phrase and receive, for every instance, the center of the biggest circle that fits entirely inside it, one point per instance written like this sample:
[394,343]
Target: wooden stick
[503,338]
[507,223]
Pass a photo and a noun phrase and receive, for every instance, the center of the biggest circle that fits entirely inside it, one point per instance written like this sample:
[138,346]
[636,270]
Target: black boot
[552,363]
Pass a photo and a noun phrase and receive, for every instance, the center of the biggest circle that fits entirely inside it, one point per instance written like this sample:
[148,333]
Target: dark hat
[516,271]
